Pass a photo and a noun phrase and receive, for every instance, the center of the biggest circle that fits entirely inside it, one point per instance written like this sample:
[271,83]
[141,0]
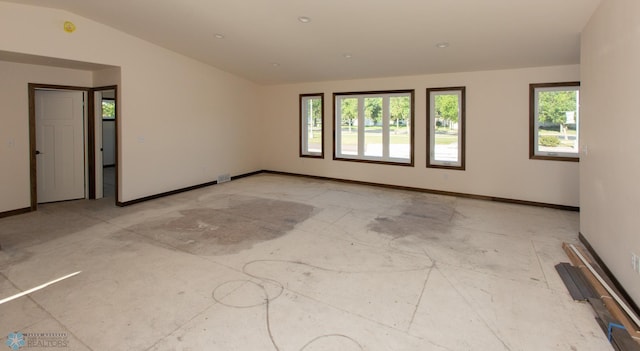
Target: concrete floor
[109,181]
[284,263]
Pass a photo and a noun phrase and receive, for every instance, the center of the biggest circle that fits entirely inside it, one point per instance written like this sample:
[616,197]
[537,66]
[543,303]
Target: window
[374,127]
[446,127]
[554,120]
[311,124]
[108,109]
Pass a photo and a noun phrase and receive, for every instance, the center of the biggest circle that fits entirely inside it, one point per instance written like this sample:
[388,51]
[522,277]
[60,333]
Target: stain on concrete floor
[420,215]
[221,231]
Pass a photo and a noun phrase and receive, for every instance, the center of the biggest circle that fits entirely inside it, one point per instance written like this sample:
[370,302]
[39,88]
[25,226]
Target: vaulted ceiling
[267,41]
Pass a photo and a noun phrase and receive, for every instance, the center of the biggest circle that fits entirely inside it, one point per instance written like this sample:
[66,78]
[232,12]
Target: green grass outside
[373,135]
[443,136]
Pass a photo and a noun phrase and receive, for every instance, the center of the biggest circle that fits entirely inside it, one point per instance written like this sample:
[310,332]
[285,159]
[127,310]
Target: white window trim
[432,93]
[305,120]
[535,152]
[386,127]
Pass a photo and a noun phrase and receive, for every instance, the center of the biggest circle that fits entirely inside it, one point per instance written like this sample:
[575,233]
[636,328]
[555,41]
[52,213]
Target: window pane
[108,109]
[373,126]
[349,129]
[314,126]
[557,121]
[446,127]
[447,113]
[400,128]
[554,119]
[311,121]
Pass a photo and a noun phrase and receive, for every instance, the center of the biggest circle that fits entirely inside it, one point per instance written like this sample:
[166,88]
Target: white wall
[497,156]
[181,122]
[14,125]
[610,170]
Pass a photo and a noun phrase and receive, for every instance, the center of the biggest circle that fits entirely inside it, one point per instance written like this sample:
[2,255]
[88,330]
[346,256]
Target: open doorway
[105,112]
[65,129]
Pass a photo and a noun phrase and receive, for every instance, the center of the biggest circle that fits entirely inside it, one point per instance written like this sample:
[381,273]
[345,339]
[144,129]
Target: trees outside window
[108,109]
[554,110]
[374,126]
[446,128]
[311,125]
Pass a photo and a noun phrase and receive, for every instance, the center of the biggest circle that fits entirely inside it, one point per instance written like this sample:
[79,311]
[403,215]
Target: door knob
[38,152]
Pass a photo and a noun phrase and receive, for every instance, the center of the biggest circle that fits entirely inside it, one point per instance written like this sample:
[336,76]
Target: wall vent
[223,178]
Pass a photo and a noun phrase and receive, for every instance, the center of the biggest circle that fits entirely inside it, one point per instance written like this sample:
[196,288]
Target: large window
[446,127]
[554,121]
[311,125]
[374,126]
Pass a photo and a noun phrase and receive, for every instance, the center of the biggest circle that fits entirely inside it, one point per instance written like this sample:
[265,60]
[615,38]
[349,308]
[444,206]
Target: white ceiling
[384,37]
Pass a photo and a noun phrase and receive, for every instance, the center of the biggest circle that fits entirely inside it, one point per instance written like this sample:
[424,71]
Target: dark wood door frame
[90,147]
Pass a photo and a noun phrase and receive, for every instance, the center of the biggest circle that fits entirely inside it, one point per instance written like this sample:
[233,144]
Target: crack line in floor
[424,287]
[266,299]
[494,332]
[546,281]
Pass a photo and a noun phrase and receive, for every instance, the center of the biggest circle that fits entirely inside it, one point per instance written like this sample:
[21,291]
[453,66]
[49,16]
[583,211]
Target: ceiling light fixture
[219,36]
[347,56]
[442,45]
[304,19]
[275,64]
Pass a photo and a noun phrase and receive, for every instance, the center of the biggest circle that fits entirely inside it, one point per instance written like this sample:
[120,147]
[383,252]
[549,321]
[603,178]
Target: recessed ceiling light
[304,19]
[219,36]
[442,45]
[347,56]
[275,64]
